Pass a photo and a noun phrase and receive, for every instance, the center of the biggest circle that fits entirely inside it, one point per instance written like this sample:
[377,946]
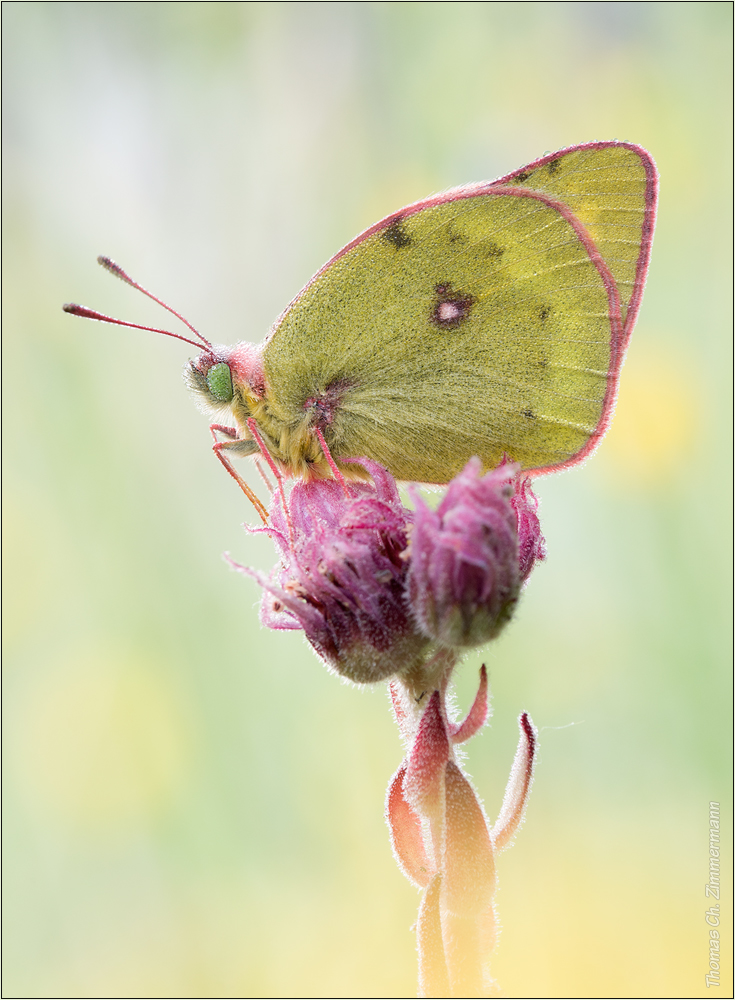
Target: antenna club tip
[109,265]
[115,269]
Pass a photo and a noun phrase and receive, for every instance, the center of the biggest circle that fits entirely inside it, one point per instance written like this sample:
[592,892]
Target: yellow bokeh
[104,742]
[658,417]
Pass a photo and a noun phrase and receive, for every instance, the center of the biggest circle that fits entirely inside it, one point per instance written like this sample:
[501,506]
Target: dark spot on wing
[523,175]
[456,237]
[325,404]
[494,251]
[450,308]
[529,413]
[397,235]
[544,313]
[553,166]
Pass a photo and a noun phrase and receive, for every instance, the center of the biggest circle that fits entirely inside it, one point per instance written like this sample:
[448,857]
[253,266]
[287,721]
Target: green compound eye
[219,380]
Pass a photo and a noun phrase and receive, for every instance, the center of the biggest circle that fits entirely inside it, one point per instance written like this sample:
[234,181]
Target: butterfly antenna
[113,268]
[76,310]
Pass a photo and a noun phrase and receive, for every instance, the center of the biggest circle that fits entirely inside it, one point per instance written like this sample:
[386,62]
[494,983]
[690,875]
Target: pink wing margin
[620,331]
[621,336]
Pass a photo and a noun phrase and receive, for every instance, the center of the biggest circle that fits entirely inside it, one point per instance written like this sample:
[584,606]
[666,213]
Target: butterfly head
[210,377]
[221,374]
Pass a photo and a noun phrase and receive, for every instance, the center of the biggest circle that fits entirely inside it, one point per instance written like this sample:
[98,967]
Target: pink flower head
[470,556]
[342,575]
[371,604]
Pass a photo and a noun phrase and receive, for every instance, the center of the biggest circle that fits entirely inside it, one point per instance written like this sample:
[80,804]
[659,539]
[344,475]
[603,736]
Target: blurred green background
[193,807]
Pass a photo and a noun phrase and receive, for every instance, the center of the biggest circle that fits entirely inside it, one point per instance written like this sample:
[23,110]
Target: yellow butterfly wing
[486,321]
[611,187]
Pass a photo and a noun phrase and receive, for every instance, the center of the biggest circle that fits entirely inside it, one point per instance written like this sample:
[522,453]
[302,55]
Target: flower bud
[468,561]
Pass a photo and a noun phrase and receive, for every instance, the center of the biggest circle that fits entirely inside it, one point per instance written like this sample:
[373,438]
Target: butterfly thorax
[292,444]
[231,386]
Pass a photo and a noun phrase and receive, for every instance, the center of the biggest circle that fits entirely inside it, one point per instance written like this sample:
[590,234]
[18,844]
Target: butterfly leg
[239,447]
[253,428]
[332,464]
[229,432]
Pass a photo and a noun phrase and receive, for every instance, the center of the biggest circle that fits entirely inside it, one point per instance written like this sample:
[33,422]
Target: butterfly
[489,320]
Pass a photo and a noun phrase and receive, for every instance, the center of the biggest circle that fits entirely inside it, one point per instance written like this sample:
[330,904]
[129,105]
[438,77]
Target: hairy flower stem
[440,834]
